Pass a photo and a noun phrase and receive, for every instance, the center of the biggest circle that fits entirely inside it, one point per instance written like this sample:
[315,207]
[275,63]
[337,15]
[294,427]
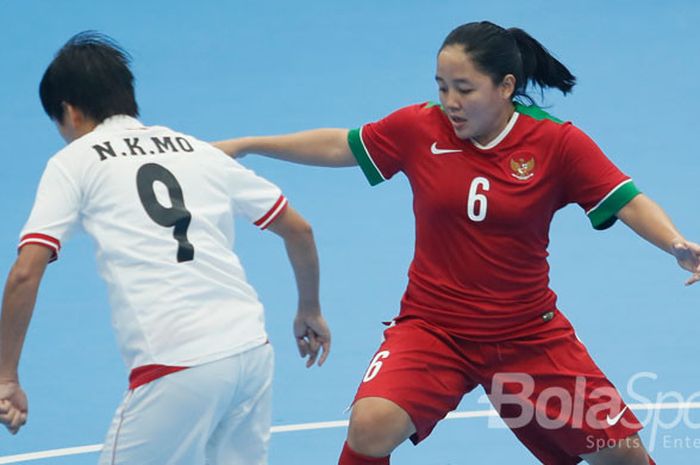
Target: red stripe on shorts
[147,373]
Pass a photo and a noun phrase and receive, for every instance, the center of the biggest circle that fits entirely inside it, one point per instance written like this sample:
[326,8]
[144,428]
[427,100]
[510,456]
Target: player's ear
[508,86]
[72,115]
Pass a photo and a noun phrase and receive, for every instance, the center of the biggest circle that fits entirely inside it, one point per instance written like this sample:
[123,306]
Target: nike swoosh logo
[436,151]
[613,421]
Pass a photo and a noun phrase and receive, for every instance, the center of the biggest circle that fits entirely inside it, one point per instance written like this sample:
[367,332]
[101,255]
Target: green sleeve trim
[602,216]
[535,112]
[372,173]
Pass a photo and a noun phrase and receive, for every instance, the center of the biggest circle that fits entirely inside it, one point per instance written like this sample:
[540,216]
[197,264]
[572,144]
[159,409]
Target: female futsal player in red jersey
[487,174]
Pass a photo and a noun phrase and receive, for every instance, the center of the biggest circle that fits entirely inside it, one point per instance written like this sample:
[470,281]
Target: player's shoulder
[537,115]
[207,154]
[178,135]
[542,126]
[73,153]
[416,117]
[424,110]
[538,119]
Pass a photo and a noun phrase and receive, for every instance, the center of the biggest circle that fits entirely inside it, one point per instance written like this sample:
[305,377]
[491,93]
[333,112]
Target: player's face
[477,108]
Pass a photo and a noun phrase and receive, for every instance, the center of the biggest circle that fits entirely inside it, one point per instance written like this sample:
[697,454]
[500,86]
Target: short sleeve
[254,197]
[377,145]
[592,180]
[56,209]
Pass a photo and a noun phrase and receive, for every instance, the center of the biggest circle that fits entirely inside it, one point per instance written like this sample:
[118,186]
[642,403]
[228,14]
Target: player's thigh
[419,369]
[242,435]
[556,400]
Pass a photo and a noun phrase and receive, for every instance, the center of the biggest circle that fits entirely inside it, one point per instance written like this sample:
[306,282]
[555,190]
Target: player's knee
[377,427]
[368,435]
[629,451]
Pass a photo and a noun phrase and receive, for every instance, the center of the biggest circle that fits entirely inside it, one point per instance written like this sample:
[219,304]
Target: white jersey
[160,206]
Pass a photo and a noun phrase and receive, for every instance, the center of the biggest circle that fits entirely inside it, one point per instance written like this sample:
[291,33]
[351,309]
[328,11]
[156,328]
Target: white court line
[319,425]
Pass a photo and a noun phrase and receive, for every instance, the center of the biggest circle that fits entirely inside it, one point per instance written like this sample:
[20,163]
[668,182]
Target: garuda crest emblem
[522,170]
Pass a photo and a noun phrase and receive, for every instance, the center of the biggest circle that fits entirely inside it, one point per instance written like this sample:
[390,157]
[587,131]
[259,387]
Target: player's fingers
[313,340]
[8,414]
[690,264]
[695,269]
[303,346]
[312,359]
[313,354]
[326,345]
[10,420]
[18,420]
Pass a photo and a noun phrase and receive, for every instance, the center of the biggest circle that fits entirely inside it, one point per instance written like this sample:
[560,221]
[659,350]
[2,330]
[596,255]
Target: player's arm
[320,147]
[17,308]
[647,218]
[310,328]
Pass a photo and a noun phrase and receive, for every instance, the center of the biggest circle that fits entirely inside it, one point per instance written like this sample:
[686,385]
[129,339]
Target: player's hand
[13,406]
[312,337]
[234,148]
[688,256]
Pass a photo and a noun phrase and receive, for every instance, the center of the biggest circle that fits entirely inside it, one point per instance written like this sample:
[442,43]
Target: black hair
[91,72]
[497,52]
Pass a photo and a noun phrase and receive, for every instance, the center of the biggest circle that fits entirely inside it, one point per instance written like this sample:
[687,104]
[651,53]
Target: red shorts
[546,387]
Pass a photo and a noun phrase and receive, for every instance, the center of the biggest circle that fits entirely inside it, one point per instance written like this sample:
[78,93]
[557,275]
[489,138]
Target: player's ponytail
[539,66]
[498,52]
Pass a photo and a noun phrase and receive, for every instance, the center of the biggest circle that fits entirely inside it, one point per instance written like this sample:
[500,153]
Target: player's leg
[377,427]
[242,435]
[167,420]
[558,402]
[413,381]
[627,452]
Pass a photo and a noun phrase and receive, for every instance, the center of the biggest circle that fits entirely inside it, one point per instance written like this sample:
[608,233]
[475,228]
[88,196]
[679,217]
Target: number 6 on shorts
[375,365]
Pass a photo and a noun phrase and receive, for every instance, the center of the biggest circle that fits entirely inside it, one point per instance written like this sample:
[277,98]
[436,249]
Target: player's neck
[498,128]
[75,123]
[86,127]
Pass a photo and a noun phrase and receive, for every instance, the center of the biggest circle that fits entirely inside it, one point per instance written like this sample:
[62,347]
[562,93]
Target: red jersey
[482,213]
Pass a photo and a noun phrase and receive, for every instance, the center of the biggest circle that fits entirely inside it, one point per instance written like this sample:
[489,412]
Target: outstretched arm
[648,219]
[310,329]
[320,147]
[17,308]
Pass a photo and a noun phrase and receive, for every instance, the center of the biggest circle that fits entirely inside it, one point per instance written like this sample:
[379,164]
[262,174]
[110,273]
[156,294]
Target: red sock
[350,457]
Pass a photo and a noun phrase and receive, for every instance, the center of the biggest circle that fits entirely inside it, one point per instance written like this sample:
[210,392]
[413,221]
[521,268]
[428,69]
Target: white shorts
[218,413]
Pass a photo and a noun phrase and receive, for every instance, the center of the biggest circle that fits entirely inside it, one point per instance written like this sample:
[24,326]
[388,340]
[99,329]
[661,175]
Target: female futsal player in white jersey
[160,206]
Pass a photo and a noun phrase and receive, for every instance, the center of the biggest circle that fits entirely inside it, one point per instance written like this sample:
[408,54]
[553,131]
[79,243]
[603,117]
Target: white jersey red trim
[44,240]
[160,206]
[273,214]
